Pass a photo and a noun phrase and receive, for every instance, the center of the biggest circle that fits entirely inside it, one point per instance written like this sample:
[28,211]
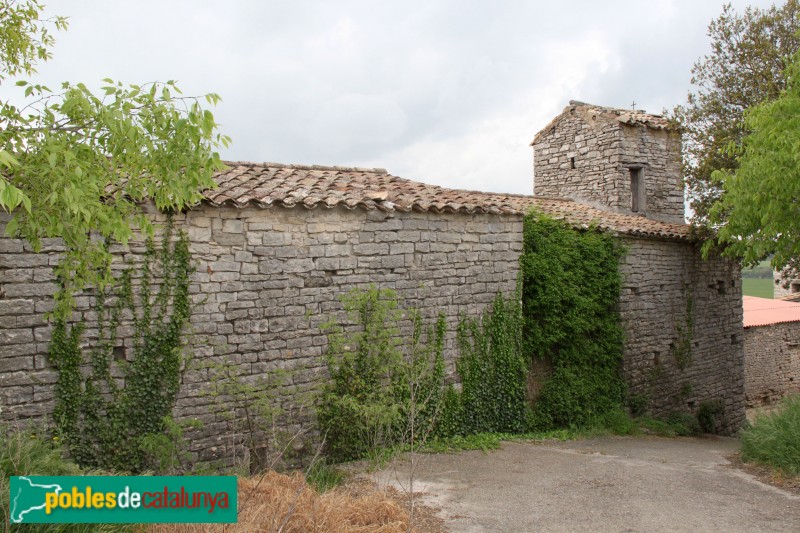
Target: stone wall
[268,278]
[661,279]
[588,155]
[772,362]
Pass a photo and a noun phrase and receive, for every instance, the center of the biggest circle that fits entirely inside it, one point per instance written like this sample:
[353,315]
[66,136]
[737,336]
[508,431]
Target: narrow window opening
[572,162]
[795,287]
[637,190]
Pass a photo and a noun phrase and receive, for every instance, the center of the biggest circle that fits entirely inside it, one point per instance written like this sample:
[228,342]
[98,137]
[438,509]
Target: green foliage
[707,413]
[570,304]
[452,415]
[493,373]
[457,443]
[379,388]
[324,477]
[103,422]
[257,417]
[166,452]
[749,52]
[774,439]
[614,421]
[677,424]
[684,424]
[576,396]
[681,349]
[29,453]
[77,165]
[25,38]
[759,207]
[762,270]
[422,378]
[656,427]
[638,404]
[492,441]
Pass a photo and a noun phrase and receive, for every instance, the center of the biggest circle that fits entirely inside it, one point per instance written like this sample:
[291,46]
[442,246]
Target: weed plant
[774,439]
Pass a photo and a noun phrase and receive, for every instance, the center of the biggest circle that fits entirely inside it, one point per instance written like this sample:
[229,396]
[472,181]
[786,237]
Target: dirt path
[608,484]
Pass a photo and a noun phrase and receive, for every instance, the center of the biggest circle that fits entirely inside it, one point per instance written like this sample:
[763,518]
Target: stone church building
[276,245]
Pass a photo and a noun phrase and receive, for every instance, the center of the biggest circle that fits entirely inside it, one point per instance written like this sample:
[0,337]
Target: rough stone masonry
[277,245]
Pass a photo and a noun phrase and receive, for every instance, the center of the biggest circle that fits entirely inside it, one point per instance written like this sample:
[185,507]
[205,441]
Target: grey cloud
[444,91]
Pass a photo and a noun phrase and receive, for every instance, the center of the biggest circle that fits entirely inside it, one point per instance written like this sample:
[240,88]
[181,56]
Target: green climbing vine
[682,348]
[109,405]
[493,373]
[570,306]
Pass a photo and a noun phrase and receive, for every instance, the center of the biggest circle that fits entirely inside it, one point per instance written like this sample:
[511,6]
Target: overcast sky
[446,92]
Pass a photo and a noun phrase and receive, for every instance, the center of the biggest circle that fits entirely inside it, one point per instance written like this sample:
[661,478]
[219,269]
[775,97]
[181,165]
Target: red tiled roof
[765,312]
[271,184]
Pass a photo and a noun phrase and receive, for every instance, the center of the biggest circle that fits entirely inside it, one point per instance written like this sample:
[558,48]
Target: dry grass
[286,503]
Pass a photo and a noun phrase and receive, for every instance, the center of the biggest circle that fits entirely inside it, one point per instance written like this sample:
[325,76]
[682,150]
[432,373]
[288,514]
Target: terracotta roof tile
[271,184]
[765,312]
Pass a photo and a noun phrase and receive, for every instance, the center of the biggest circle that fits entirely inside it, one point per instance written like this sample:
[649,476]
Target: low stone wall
[772,363]
[682,311]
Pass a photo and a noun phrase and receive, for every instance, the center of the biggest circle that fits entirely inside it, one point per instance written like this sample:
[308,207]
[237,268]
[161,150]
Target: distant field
[757,287]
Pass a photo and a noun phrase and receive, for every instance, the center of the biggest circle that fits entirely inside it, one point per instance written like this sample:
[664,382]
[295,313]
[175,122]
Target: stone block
[370,249]
[228,238]
[23,260]
[15,336]
[16,307]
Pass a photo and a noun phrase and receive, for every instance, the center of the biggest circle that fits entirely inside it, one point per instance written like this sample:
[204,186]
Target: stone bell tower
[613,159]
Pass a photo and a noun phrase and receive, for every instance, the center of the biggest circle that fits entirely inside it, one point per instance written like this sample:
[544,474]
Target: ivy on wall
[681,349]
[570,305]
[493,371]
[565,312]
[107,407]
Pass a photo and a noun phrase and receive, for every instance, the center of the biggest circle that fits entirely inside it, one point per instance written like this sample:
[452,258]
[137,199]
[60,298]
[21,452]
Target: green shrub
[578,397]
[774,439]
[382,392]
[618,422]
[707,414]
[570,304]
[450,420]
[324,477]
[657,427]
[638,404]
[684,424]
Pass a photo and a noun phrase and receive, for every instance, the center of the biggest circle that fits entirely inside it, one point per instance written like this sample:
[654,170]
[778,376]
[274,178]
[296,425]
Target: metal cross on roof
[633,105]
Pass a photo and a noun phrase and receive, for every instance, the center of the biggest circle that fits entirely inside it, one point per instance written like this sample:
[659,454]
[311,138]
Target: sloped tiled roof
[269,184]
[765,312]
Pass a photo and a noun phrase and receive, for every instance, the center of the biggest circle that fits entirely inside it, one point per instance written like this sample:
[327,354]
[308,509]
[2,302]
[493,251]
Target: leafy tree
[749,53]
[78,166]
[759,213]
